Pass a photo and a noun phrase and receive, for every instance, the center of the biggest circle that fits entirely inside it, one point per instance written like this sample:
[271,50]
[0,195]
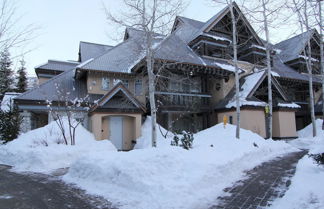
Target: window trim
[141,89]
[102,83]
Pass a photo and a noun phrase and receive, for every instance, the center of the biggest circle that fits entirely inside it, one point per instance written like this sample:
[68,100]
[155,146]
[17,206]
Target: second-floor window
[138,87]
[125,82]
[105,83]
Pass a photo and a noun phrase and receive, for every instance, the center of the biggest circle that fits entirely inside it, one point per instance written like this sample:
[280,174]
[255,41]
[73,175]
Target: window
[138,87]
[105,83]
[230,119]
[125,82]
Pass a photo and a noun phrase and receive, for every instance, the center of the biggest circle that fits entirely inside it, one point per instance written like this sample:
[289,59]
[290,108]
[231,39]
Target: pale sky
[64,23]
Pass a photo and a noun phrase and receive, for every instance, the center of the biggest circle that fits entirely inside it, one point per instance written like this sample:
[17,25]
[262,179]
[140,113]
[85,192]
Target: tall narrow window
[105,83]
[138,87]
[125,82]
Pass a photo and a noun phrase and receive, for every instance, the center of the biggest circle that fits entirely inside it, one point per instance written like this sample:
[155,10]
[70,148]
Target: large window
[105,83]
[138,87]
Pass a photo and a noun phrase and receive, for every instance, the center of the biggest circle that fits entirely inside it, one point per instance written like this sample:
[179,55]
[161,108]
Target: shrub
[186,140]
[9,125]
[319,158]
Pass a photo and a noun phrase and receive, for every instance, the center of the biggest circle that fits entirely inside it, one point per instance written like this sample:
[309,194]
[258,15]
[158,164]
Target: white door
[116,131]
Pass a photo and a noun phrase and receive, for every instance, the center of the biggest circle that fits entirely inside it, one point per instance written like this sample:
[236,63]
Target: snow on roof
[58,65]
[246,90]
[257,46]
[7,101]
[84,63]
[250,83]
[292,47]
[92,50]
[289,105]
[216,37]
[273,73]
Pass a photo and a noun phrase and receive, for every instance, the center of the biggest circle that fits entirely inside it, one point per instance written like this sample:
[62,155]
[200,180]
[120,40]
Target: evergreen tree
[6,79]
[9,124]
[22,77]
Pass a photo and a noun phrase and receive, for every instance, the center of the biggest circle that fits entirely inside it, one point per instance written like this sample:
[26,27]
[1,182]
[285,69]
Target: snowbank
[306,190]
[42,149]
[306,139]
[145,140]
[171,177]
[307,132]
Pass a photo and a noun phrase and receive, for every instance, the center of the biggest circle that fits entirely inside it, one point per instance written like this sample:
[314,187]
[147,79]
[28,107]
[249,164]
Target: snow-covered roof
[7,101]
[289,105]
[292,47]
[57,65]
[110,101]
[285,71]
[89,50]
[250,83]
[74,88]
[124,56]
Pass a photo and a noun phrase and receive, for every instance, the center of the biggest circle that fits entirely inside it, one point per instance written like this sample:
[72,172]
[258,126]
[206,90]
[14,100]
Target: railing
[194,101]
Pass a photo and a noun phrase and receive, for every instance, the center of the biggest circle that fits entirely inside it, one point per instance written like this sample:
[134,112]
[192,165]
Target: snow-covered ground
[307,188]
[42,149]
[162,177]
[171,177]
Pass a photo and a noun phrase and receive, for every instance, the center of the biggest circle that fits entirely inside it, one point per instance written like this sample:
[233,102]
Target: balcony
[181,101]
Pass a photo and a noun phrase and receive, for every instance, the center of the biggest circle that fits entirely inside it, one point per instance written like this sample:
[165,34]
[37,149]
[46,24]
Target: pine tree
[22,78]
[6,79]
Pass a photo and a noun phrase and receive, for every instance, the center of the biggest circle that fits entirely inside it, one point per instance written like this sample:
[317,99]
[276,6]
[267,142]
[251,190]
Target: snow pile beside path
[145,140]
[306,189]
[306,139]
[171,177]
[42,149]
[307,132]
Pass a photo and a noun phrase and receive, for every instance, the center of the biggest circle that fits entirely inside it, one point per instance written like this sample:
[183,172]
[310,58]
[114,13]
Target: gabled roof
[216,18]
[248,86]
[89,50]
[293,47]
[284,71]
[56,65]
[107,101]
[124,56]
[48,91]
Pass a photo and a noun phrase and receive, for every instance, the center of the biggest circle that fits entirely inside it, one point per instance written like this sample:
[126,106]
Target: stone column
[26,122]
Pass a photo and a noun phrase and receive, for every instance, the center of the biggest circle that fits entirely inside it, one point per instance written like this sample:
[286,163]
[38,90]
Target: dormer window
[125,82]
[138,87]
[105,83]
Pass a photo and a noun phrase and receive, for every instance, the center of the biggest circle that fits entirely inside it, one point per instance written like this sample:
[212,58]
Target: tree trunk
[265,21]
[237,83]
[322,56]
[310,71]
[151,79]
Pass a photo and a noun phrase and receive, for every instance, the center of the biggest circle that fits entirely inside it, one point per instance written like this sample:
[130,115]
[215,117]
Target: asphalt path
[39,191]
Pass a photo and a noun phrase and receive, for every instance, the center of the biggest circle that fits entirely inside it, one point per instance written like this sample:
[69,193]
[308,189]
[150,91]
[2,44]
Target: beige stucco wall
[131,127]
[42,80]
[94,84]
[284,124]
[253,120]
[225,88]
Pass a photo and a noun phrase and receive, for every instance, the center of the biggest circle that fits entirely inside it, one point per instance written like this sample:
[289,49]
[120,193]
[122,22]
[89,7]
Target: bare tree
[150,16]
[12,34]
[63,109]
[234,19]
[302,11]
[266,13]
[320,24]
